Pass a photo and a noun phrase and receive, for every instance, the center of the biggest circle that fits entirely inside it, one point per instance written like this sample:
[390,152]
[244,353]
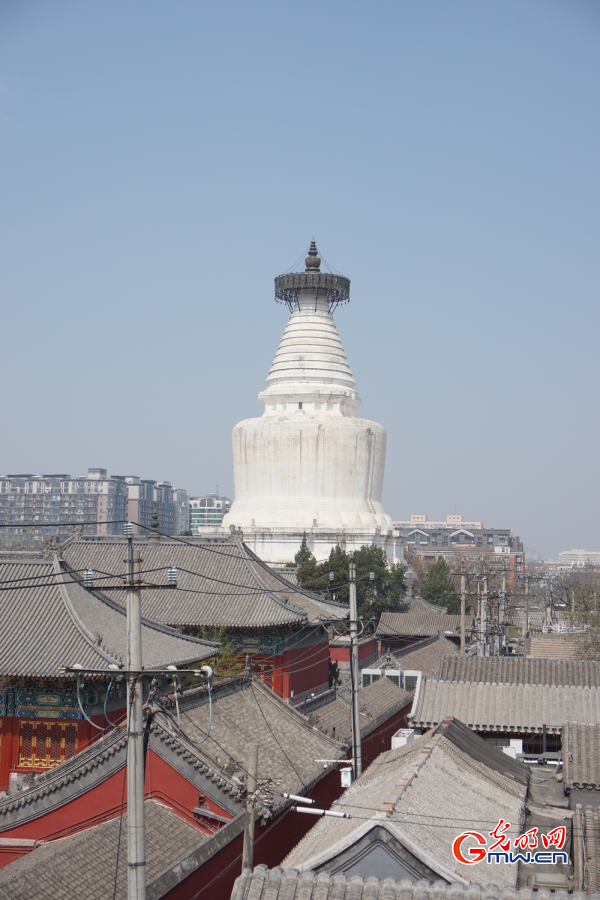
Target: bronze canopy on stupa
[336,288]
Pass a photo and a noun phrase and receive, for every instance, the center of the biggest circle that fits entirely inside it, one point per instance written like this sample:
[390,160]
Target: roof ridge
[270,593]
[109,657]
[388,806]
[316,598]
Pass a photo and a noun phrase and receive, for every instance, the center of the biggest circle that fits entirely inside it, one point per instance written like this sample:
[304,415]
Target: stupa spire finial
[313,263]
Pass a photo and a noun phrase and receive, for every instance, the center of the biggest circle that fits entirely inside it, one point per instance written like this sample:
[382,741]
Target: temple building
[309,464]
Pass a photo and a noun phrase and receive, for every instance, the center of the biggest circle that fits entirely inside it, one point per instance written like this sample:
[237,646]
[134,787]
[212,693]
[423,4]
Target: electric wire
[110,684]
[276,739]
[122,805]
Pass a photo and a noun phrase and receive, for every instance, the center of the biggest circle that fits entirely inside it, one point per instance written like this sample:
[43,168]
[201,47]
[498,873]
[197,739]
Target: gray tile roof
[427,655]
[520,671]
[424,794]
[222,584]
[50,621]
[393,624]
[83,863]
[378,702]
[251,713]
[581,756]
[556,646]
[418,606]
[288,884]
[506,707]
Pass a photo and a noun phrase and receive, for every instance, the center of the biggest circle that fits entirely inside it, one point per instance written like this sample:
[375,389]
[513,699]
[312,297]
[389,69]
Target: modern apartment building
[207,511]
[28,502]
[182,514]
[579,557]
[455,533]
[97,502]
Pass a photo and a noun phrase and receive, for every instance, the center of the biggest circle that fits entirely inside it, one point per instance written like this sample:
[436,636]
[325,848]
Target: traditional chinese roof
[581,756]
[49,620]
[427,624]
[505,670]
[426,656]
[378,703]
[422,795]
[557,646]
[419,606]
[244,712]
[67,868]
[285,884]
[506,707]
[219,584]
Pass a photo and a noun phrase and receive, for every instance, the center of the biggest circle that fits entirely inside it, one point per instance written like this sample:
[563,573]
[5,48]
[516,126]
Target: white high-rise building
[309,464]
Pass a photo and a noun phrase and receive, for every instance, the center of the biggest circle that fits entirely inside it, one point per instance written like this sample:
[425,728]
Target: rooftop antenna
[217,490]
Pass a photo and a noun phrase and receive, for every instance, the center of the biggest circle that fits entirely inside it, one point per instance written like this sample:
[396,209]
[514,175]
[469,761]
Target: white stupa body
[309,464]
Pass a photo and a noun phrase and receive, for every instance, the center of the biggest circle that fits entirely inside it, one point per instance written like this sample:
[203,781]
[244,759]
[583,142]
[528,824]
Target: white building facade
[309,464]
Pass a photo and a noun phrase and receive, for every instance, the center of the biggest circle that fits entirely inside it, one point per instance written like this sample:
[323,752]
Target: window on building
[45,744]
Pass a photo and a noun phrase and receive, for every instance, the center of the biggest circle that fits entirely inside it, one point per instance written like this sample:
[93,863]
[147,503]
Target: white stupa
[309,464]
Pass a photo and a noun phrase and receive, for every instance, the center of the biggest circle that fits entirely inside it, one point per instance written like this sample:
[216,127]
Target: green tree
[437,587]
[304,554]
[386,590]
[307,566]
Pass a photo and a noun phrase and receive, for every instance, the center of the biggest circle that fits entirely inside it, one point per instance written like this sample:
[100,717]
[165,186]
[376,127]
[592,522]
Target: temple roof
[49,620]
[218,585]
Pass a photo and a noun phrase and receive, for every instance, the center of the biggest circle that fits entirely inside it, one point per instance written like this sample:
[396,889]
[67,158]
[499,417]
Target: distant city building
[30,501]
[579,557]
[146,496]
[454,534]
[182,514]
[97,502]
[207,511]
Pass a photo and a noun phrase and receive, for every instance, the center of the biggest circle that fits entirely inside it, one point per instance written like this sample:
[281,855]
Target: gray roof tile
[581,755]
[393,624]
[448,778]
[218,585]
[556,646]
[379,700]
[506,707]
[69,867]
[520,671]
[285,884]
[50,621]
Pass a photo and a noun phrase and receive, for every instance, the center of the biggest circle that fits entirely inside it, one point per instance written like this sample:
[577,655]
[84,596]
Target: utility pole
[526,616]
[484,610]
[248,850]
[356,742]
[502,611]
[463,589]
[136,849]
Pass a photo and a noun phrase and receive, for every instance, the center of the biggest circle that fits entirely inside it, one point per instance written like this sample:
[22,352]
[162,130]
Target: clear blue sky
[162,162]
